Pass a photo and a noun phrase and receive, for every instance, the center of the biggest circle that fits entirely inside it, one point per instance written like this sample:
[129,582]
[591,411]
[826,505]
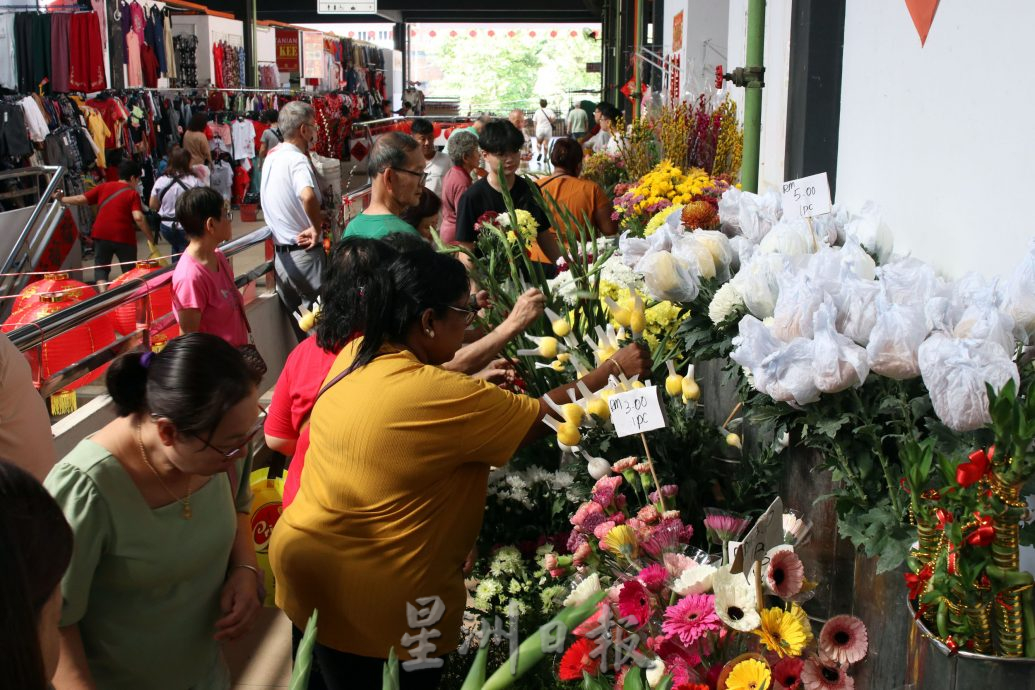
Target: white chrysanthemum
[735,601]
[487,590]
[506,560]
[727,298]
[585,589]
[564,286]
[561,480]
[614,271]
[697,580]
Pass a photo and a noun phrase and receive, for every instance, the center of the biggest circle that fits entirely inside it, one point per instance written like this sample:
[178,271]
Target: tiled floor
[263,658]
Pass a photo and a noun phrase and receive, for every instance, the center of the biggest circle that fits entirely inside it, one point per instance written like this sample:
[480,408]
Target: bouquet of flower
[664,186]
[606,169]
[676,617]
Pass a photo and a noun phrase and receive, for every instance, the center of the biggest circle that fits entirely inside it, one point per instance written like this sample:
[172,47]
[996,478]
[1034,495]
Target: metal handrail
[35,334]
[58,177]
[396,119]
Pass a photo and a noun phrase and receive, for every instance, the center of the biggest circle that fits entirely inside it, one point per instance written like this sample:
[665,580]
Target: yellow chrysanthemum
[750,674]
[621,541]
[781,632]
[658,219]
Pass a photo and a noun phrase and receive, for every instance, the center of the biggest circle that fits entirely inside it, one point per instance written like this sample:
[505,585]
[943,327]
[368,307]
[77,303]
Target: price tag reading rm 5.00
[636,411]
[806,197]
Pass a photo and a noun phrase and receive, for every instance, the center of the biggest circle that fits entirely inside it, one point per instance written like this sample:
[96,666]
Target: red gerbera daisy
[787,673]
[634,601]
[577,660]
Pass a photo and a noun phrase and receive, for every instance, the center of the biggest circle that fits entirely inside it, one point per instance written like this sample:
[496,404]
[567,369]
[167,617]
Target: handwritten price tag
[766,533]
[806,197]
[636,411]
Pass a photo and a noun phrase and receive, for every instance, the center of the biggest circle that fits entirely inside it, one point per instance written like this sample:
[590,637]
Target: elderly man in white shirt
[291,201]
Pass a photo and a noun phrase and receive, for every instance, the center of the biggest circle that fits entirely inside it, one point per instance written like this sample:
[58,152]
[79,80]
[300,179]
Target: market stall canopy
[305,11]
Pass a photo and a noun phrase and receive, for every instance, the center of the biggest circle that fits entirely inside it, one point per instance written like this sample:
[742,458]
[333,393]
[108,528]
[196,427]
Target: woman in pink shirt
[205,297]
[463,151]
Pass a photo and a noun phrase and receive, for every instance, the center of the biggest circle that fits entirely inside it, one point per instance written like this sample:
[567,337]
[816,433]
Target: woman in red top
[119,215]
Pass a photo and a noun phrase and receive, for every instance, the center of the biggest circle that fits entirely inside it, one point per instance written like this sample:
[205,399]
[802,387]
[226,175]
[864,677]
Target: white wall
[774,96]
[703,21]
[265,44]
[208,30]
[933,134]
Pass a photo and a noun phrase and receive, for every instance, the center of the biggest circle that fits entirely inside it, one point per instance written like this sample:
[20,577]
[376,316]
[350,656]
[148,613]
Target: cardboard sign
[766,533]
[287,50]
[806,197]
[636,411]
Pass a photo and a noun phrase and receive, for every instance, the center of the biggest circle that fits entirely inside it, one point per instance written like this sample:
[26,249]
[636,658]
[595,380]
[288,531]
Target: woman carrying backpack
[178,178]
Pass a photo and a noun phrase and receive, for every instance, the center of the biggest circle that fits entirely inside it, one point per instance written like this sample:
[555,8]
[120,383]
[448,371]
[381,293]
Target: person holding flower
[393,493]
[163,568]
[501,144]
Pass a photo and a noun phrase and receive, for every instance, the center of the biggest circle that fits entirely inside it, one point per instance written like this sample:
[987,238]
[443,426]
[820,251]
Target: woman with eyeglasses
[394,486]
[205,298]
[163,569]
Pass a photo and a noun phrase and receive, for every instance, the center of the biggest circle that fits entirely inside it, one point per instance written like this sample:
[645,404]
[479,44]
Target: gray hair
[390,152]
[293,116]
[461,144]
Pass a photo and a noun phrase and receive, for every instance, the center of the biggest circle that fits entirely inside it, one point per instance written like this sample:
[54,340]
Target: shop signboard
[312,55]
[287,50]
[677,32]
[338,7]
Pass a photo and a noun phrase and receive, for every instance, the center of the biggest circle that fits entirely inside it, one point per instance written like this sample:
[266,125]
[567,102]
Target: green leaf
[304,656]
[830,427]
[476,676]
[390,675]
[634,679]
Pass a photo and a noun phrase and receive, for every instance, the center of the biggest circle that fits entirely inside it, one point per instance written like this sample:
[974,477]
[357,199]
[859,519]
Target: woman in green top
[163,569]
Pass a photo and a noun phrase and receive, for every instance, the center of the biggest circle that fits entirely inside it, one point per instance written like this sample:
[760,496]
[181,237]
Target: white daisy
[735,601]
[696,580]
[583,591]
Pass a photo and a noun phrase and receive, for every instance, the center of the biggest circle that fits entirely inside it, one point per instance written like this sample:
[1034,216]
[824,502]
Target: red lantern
[574,34]
[436,129]
[512,34]
[473,33]
[160,304]
[491,33]
[64,350]
[452,34]
[532,34]
[74,290]
[413,33]
[553,34]
[432,34]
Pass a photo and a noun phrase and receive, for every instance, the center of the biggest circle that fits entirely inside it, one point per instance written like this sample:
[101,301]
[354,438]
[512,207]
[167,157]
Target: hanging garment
[14,136]
[186,48]
[149,66]
[8,52]
[86,55]
[243,135]
[60,27]
[167,45]
[134,73]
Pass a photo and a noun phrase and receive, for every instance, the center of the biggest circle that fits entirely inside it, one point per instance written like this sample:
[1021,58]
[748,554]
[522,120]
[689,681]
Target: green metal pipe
[753,96]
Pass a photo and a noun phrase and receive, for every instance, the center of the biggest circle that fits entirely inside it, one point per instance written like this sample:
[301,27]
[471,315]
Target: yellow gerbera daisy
[750,674]
[799,615]
[621,541]
[781,632]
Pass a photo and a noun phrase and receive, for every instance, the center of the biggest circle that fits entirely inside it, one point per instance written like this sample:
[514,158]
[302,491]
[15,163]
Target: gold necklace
[187,513]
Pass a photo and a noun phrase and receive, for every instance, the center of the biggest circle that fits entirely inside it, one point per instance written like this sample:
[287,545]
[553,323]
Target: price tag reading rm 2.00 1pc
[636,411]
[806,197]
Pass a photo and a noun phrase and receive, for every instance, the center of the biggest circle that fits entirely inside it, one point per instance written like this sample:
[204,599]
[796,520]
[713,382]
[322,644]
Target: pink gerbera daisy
[691,618]
[604,490]
[677,563]
[844,639]
[723,527]
[817,675]
[787,673]
[785,574]
[653,577]
[634,602]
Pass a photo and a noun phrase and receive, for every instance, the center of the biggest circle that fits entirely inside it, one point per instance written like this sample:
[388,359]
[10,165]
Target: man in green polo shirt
[396,166]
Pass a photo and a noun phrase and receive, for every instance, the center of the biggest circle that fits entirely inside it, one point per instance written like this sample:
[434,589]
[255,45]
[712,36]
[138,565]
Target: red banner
[287,50]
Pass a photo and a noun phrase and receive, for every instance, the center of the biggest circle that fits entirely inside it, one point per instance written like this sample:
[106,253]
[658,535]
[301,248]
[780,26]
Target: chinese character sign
[312,55]
[287,50]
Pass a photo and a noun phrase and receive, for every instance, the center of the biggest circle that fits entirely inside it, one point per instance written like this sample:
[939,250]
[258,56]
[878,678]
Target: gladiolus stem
[733,414]
[758,586]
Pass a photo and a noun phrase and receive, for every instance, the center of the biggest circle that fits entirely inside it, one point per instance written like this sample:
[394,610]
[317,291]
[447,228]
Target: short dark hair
[345,294]
[542,102]
[428,205]
[179,162]
[193,382]
[389,152]
[501,136]
[198,121]
[567,154]
[422,126]
[608,111]
[128,169]
[36,543]
[270,116]
[195,206]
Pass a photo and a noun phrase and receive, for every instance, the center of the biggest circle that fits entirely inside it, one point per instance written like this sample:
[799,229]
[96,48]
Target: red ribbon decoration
[944,517]
[984,534]
[975,468]
[952,560]
[916,582]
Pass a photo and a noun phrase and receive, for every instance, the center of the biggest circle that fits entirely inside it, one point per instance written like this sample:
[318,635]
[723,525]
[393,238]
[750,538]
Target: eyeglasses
[422,175]
[234,452]
[469,314]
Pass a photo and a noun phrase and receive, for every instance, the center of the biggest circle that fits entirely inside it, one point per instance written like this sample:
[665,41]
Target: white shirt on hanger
[8,61]
[243,134]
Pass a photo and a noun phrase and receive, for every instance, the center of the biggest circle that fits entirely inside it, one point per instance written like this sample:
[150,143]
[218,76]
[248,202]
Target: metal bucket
[932,667]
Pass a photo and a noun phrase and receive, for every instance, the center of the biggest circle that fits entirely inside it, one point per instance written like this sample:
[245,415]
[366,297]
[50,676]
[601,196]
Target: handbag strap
[104,203]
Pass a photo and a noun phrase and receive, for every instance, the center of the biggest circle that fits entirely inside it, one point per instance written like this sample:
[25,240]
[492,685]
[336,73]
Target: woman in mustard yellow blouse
[393,492]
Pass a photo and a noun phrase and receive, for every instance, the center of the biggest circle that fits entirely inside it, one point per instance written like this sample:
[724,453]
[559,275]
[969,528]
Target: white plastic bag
[729,210]
[868,226]
[668,277]
[857,308]
[758,214]
[955,372]
[896,337]
[839,362]
[694,252]
[909,281]
[719,246]
[788,373]
[985,321]
[790,237]
[758,282]
[751,346]
[799,298]
[632,249]
[1020,295]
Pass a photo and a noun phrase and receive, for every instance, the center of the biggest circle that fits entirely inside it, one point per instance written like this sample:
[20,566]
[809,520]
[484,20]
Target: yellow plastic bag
[155,253]
[267,505]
